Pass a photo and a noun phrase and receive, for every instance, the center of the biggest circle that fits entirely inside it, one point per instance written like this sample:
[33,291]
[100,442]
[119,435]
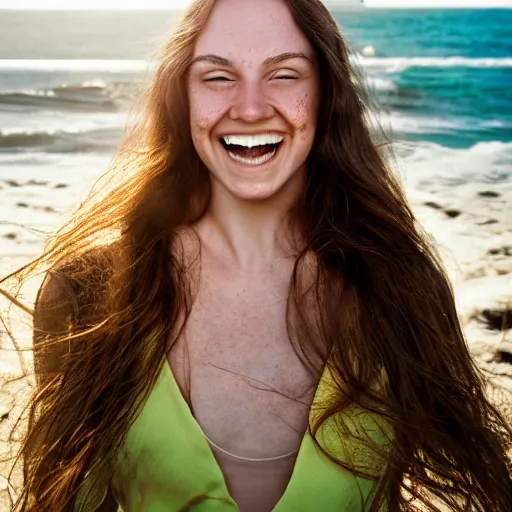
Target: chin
[254,192]
[286,187]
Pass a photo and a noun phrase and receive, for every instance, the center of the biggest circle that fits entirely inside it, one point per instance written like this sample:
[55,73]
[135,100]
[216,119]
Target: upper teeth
[250,141]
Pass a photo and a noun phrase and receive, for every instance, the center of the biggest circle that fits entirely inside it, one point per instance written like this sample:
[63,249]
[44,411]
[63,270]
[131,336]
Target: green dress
[167,465]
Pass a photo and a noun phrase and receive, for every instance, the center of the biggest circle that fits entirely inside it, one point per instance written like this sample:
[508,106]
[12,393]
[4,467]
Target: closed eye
[225,79]
[218,79]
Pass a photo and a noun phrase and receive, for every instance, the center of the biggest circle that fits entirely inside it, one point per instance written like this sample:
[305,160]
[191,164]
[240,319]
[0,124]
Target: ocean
[443,79]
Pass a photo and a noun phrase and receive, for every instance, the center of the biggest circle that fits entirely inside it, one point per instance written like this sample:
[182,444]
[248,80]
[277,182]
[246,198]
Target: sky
[179,4]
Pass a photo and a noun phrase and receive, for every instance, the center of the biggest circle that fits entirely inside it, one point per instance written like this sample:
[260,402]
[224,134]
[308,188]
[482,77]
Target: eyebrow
[221,61]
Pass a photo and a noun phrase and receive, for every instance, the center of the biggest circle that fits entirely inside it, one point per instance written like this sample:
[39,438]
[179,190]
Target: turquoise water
[449,69]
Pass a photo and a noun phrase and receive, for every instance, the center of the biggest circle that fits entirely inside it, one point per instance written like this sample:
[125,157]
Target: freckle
[203,123]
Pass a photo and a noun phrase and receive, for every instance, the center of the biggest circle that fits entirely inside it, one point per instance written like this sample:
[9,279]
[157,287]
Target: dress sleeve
[56,313]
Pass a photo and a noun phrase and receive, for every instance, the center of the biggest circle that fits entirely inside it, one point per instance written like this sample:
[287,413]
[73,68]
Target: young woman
[251,320]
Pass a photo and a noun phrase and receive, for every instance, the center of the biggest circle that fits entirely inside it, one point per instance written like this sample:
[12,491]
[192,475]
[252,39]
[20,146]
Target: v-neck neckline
[186,408]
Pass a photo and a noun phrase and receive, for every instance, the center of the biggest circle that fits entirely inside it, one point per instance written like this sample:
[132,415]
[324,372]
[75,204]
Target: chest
[247,388]
[235,363]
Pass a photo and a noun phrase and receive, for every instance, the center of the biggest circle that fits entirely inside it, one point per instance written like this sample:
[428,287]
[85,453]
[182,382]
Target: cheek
[206,109]
[302,111]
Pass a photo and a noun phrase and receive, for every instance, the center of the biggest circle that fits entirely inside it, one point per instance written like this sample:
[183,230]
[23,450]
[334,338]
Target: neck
[250,235]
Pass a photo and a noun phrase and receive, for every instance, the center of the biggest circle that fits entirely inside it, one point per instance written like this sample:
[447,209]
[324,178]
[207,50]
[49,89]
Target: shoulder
[80,283]
[65,286]
[69,298]
[53,308]
[53,314]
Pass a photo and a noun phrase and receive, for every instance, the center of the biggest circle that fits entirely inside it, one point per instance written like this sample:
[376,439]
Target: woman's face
[254,91]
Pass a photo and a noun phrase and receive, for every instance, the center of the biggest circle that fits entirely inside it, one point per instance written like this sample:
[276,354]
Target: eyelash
[217,79]
[223,78]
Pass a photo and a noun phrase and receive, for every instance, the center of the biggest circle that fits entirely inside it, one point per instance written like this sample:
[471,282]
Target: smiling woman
[251,319]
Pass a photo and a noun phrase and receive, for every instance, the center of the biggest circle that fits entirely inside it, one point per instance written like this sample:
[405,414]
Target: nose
[250,104]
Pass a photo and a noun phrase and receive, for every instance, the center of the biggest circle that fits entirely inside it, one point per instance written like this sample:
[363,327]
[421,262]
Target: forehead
[251,30]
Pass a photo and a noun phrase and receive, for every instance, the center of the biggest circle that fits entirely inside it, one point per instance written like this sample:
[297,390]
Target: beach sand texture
[442,77]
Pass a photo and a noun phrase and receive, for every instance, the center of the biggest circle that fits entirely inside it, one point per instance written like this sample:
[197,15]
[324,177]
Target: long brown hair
[387,304]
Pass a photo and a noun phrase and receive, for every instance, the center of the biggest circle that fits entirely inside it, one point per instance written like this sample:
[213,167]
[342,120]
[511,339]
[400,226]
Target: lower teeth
[253,161]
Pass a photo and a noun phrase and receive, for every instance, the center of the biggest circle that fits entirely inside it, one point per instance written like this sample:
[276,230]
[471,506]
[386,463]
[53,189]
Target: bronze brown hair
[386,304]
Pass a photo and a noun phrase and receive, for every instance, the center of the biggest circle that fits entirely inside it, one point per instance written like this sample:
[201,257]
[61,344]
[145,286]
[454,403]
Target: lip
[246,134]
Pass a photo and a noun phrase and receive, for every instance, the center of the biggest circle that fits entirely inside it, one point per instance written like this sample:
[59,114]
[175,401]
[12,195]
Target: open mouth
[255,154]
